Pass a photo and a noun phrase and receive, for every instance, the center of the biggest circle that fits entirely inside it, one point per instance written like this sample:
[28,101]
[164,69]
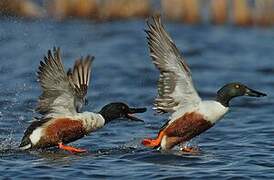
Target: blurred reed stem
[219,14]
[239,12]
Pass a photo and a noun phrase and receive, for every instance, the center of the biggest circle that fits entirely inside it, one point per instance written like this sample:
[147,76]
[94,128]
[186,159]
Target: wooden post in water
[241,13]
[192,11]
[59,9]
[117,9]
[219,11]
[173,9]
[263,15]
[84,8]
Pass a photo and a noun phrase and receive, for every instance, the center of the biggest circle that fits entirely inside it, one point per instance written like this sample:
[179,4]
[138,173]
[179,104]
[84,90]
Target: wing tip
[81,74]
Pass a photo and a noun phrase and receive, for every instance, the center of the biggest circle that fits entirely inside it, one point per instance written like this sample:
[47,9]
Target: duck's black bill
[254,93]
[132,111]
[137,110]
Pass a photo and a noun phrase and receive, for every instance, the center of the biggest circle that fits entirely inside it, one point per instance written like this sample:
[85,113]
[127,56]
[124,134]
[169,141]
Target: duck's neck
[107,115]
[223,98]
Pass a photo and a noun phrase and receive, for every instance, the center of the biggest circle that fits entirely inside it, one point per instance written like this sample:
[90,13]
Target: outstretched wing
[175,87]
[62,93]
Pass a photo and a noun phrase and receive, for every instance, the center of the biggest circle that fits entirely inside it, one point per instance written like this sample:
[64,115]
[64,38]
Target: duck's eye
[237,86]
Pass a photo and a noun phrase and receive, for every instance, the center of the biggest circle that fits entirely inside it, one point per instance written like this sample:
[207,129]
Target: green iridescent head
[235,89]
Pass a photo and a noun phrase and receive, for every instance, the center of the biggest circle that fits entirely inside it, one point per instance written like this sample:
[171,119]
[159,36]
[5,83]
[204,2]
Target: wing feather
[61,93]
[80,77]
[175,86]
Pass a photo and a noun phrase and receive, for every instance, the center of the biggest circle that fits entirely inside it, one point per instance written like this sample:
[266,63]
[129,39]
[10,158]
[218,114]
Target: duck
[61,119]
[189,114]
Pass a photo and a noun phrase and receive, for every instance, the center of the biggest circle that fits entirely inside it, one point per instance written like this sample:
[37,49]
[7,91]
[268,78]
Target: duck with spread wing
[190,115]
[63,95]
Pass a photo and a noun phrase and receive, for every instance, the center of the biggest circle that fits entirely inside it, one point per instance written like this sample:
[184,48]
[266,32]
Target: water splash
[8,143]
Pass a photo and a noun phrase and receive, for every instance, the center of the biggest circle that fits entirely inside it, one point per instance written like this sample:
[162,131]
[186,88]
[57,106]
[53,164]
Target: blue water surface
[240,146]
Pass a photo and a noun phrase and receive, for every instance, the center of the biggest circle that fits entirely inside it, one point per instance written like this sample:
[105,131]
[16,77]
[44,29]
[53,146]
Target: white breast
[91,121]
[212,110]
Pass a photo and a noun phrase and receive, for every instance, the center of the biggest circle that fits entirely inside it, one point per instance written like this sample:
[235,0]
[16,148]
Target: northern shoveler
[61,102]
[191,115]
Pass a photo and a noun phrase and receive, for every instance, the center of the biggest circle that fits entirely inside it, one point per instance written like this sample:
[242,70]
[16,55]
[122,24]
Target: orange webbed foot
[71,149]
[191,150]
[151,142]
[154,142]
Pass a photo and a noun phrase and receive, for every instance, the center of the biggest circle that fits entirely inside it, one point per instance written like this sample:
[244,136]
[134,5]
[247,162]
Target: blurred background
[237,12]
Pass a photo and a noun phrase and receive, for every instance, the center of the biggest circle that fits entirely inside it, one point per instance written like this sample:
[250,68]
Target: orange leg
[70,148]
[154,142]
